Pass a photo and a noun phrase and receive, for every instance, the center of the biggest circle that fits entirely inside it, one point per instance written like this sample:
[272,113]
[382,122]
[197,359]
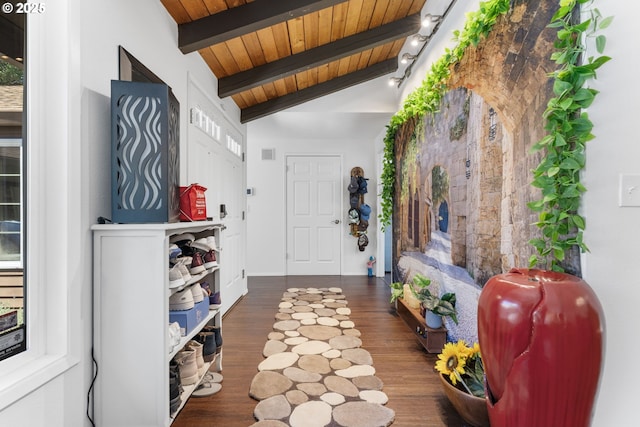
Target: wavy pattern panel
[139,152]
[174,156]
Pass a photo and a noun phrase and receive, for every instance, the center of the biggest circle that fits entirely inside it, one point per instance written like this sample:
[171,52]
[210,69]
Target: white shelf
[131,317]
[184,340]
[188,390]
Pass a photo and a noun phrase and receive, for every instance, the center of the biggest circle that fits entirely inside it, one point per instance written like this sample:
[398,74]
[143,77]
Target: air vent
[268,154]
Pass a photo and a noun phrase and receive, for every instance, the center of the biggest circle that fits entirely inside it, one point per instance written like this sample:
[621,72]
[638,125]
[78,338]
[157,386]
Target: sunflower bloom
[452,360]
[463,365]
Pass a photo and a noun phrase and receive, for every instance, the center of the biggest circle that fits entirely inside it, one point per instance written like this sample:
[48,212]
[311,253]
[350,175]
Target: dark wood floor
[403,365]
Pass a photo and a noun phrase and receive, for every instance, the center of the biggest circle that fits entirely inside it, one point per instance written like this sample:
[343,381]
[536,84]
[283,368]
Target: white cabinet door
[313,215]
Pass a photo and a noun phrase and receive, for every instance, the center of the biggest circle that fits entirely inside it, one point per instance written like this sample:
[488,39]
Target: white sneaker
[175,278]
[201,244]
[181,300]
[174,335]
[211,241]
[182,238]
[184,270]
[198,294]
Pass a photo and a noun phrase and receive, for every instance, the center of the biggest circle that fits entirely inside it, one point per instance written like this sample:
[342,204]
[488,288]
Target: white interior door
[232,188]
[313,215]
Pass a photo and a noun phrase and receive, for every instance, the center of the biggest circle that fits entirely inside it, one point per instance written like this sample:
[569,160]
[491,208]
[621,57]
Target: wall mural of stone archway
[481,138]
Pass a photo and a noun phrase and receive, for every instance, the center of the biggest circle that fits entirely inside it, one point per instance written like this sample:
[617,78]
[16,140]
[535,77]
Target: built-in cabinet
[131,317]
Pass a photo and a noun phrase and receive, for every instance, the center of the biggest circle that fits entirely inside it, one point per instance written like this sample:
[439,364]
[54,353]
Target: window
[12,314]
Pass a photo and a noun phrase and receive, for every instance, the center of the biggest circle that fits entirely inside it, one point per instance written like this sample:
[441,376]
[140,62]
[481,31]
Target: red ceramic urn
[542,340]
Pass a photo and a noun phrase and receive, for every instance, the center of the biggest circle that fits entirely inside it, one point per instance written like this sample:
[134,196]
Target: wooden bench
[431,339]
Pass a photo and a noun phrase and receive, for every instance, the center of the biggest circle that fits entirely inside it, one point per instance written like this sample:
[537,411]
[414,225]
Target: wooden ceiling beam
[315,57]
[334,85]
[237,21]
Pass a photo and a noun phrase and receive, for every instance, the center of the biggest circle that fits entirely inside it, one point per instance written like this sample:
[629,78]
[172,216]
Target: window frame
[16,265]
[52,180]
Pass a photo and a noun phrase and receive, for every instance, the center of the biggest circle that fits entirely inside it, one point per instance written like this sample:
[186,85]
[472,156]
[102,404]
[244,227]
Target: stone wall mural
[463,174]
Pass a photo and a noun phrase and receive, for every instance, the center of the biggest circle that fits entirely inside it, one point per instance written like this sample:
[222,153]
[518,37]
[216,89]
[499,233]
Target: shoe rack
[131,319]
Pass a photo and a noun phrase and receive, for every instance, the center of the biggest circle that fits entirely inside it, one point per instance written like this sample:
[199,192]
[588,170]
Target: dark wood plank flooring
[403,365]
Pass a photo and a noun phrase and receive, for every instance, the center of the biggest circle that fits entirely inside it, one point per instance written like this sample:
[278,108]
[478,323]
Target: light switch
[629,189]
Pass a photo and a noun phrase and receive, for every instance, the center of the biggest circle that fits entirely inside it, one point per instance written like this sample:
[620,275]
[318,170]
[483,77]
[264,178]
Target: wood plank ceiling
[269,55]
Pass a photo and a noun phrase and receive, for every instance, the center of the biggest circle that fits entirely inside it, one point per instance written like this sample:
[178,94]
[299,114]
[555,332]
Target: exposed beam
[315,57]
[237,21]
[334,85]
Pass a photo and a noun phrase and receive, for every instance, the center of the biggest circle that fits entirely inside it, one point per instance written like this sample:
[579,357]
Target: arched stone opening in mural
[452,170]
[440,193]
[482,135]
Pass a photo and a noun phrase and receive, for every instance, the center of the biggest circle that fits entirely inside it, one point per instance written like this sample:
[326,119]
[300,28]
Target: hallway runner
[315,372]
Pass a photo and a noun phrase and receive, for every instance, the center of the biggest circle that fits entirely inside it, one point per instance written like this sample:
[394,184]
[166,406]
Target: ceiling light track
[429,21]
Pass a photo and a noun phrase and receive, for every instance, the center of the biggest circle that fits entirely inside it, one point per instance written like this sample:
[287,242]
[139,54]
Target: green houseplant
[444,305]
[397,289]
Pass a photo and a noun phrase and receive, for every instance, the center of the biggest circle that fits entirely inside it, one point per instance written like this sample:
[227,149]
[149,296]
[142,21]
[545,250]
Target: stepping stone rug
[315,372]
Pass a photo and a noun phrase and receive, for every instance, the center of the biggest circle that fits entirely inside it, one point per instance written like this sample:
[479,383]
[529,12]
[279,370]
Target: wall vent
[268,154]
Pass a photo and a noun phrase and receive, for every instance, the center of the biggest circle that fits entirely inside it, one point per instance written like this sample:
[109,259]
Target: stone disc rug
[315,372]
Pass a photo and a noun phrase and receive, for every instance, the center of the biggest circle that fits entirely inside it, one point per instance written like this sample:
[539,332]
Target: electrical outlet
[629,192]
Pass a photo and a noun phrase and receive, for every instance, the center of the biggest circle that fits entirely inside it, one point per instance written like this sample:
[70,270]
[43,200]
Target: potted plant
[462,376]
[404,291]
[397,290]
[435,306]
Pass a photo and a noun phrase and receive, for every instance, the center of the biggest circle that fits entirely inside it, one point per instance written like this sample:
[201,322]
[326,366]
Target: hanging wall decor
[359,212]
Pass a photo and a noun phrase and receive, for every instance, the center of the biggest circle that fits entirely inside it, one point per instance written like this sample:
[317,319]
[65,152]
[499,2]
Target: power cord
[103,220]
[93,381]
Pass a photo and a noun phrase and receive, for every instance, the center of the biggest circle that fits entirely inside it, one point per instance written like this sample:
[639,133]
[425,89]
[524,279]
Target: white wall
[81,38]
[612,268]
[266,209]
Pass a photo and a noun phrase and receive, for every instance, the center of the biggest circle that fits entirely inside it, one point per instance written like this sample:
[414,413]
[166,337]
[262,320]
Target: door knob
[336,221]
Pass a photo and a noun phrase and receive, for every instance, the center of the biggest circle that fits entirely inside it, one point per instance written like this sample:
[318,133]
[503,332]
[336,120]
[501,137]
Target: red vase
[542,340]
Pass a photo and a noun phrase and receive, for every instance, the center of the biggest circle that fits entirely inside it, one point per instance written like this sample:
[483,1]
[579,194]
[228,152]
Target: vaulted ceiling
[269,55]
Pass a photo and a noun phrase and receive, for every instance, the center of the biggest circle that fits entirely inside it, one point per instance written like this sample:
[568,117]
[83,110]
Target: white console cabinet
[131,318]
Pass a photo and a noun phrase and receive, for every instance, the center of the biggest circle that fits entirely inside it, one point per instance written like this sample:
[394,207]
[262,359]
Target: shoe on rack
[214,300]
[208,341]
[201,244]
[187,366]
[217,333]
[206,388]
[182,237]
[197,347]
[213,377]
[184,270]
[181,300]
[174,252]
[210,261]
[197,264]
[175,277]
[175,388]
[211,241]
[197,292]
[175,334]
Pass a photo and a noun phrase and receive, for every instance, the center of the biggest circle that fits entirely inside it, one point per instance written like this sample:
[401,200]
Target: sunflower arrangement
[462,365]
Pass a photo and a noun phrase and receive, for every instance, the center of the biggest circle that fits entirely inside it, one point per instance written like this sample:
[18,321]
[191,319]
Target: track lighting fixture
[407,57]
[395,81]
[418,38]
[430,19]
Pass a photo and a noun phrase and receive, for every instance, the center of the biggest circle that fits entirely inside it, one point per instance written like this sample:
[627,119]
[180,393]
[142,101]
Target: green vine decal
[426,98]
[568,129]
